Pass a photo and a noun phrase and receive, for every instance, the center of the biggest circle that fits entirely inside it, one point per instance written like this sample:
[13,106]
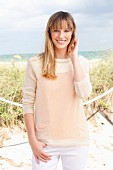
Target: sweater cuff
[27,109]
[83,88]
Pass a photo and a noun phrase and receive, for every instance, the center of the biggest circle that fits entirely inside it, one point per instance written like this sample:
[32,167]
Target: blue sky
[22,23]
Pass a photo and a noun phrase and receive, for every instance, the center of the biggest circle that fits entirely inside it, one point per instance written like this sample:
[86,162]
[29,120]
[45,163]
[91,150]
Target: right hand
[38,151]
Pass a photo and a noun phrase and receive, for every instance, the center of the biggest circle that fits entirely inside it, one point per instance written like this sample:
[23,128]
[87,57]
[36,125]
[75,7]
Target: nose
[61,34]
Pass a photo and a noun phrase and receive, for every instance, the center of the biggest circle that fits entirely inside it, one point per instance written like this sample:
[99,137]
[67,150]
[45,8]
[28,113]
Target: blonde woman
[56,83]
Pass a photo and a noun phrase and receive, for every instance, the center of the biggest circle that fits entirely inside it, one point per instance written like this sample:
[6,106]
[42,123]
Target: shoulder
[37,58]
[35,63]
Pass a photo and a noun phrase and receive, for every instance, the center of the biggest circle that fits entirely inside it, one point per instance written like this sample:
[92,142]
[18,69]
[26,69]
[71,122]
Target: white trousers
[73,158]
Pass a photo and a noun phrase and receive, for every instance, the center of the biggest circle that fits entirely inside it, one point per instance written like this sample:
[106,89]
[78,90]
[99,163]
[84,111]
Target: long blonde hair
[48,62]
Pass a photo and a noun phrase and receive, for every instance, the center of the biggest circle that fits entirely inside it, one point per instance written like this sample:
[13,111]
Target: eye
[55,30]
[67,30]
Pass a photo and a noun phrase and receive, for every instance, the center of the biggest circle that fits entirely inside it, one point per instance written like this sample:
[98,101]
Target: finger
[76,40]
[45,145]
[46,155]
[75,43]
[44,160]
[69,50]
[37,160]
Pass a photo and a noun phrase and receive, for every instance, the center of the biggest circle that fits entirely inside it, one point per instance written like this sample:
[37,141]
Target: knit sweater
[57,105]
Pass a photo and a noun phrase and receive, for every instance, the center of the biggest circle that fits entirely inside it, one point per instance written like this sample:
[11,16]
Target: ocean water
[24,57]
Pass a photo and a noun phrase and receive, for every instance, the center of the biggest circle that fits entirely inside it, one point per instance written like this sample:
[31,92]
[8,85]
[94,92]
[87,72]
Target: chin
[61,46]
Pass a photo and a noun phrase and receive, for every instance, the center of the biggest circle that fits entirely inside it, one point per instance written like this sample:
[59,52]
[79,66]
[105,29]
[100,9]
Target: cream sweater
[57,105]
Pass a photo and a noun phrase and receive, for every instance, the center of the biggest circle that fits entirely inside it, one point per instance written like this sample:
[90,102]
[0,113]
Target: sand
[19,157]
[13,64]
[92,63]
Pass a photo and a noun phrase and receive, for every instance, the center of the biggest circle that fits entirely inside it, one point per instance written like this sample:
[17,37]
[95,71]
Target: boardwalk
[100,152]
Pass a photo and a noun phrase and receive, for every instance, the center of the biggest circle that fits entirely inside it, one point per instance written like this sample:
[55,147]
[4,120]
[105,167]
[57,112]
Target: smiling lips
[61,41]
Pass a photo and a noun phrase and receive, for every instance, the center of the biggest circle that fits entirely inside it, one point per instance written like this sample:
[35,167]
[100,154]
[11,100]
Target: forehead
[62,24]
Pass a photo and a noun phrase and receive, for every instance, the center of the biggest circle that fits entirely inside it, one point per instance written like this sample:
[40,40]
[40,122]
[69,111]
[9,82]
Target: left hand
[73,49]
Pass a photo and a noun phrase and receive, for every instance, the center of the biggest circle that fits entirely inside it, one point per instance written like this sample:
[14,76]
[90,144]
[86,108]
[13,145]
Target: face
[61,37]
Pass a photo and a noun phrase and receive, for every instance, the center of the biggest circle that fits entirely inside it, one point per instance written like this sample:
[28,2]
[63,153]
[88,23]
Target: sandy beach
[19,157]
[12,64]
[92,63]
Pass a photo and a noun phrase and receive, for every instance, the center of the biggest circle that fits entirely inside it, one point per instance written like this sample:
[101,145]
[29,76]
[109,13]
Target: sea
[24,57]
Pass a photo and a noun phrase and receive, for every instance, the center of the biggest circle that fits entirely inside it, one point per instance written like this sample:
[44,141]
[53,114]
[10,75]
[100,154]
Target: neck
[61,54]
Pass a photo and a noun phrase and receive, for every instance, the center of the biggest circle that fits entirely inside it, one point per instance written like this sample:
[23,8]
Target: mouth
[61,41]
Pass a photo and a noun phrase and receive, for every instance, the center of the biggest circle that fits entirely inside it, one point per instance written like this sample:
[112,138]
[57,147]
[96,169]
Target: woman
[56,83]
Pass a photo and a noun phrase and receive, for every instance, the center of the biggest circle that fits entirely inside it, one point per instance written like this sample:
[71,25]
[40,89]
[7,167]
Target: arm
[29,90]
[30,127]
[78,71]
[29,94]
[82,82]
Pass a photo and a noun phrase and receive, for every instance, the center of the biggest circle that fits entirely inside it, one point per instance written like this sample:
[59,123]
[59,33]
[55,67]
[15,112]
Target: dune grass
[12,78]
[102,80]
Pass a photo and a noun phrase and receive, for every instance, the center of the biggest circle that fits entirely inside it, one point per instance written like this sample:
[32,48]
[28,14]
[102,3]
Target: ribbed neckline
[64,60]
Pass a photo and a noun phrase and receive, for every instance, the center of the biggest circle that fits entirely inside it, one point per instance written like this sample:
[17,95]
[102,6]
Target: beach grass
[102,80]
[12,78]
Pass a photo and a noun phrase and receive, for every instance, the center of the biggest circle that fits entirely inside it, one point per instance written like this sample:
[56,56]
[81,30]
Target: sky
[23,23]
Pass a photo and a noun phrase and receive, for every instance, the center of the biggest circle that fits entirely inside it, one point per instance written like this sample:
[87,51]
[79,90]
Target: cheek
[69,38]
[53,40]
[53,36]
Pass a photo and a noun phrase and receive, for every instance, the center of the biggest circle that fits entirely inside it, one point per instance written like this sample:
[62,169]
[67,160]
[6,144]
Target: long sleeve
[29,90]
[83,88]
